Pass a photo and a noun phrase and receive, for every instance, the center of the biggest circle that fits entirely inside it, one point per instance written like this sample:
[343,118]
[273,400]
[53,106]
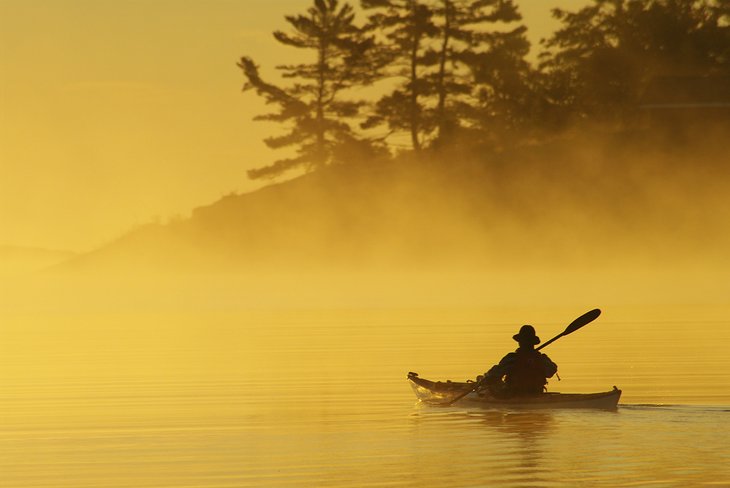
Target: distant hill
[619,200]
[15,260]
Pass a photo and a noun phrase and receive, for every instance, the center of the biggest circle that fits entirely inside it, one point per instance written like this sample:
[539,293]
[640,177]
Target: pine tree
[405,27]
[598,64]
[448,80]
[460,39]
[313,106]
[480,38]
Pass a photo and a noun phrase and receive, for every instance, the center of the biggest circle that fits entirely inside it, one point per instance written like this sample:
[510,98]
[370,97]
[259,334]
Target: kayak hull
[444,392]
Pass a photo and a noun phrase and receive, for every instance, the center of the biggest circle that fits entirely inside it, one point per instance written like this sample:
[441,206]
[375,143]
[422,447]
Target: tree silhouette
[599,63]
[480,68]
[460,63]
[405,26]
[313,105]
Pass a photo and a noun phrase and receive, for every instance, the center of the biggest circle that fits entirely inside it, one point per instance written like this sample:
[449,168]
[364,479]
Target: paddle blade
[584,319]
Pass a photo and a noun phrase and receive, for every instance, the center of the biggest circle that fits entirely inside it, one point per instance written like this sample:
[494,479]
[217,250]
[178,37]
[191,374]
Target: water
[230,397]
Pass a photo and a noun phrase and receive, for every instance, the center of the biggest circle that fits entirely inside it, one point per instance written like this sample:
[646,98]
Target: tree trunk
[415,112]
[321,88]
[441,88]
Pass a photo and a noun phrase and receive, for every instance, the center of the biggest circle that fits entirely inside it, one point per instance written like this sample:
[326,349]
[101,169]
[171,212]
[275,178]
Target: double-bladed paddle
[581,321]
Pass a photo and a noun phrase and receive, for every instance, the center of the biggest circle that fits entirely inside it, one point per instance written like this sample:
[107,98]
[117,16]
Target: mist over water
[633,202]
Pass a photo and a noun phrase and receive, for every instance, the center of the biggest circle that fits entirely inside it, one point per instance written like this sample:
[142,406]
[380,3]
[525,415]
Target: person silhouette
[523,372]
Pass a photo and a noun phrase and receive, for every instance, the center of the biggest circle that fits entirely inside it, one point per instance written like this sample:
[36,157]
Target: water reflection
[506,447]
[528,429]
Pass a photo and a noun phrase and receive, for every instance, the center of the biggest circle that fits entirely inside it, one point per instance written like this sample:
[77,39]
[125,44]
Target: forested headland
[421,134]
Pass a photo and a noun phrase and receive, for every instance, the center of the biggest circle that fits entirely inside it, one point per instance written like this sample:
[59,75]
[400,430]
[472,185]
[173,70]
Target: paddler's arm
[549,367]
[498,371]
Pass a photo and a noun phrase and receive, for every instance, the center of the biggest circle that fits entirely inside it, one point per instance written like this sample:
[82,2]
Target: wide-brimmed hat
[527,335]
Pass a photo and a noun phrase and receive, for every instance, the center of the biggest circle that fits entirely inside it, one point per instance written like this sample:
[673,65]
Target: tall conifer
[313,105]
[404,27]
[481,63]
[599,63]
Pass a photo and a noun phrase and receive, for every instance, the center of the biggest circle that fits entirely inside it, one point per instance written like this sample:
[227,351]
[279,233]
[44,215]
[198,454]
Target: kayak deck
[444,392]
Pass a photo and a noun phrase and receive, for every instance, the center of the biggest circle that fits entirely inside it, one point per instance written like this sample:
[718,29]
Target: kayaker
[523,372]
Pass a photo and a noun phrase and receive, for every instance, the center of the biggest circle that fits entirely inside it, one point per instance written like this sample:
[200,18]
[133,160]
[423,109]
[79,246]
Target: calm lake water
[136,395]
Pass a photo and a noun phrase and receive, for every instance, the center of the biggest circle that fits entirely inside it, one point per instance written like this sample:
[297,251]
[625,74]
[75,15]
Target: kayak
[437,392]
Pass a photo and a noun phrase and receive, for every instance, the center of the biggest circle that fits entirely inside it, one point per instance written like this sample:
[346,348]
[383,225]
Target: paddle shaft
[581,321]
[584,319]
[562,334]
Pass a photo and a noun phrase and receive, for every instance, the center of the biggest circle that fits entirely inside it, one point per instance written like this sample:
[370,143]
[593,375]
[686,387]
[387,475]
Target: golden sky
[117,112]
